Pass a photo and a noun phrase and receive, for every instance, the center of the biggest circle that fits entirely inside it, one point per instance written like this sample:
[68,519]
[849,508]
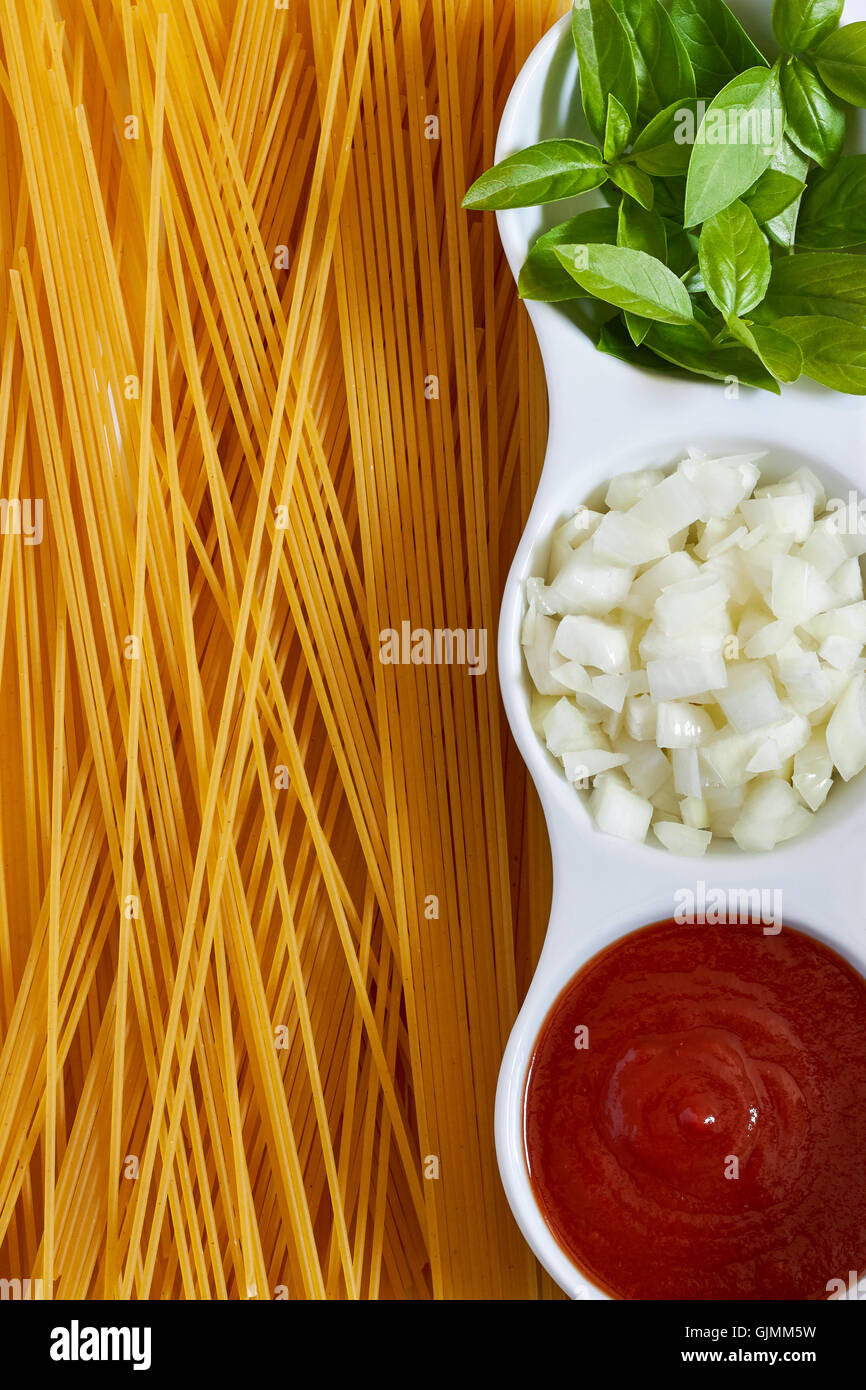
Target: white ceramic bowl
[605,418]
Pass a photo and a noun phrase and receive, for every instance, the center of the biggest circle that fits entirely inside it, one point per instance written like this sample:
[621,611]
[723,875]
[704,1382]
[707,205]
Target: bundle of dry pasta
[269,427]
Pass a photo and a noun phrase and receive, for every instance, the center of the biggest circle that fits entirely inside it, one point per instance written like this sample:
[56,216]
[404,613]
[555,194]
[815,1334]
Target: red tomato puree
[695,1116]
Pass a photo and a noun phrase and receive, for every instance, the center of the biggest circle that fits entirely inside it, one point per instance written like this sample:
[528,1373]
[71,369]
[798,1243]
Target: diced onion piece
[640,717]
[537,637]
[539,708]
[658,645]
[675,678]
[769,640]
[722,483]
[612,724]
[805,481]
[587,586]
[727,757]
[779,743]
[619,811]
[841,652]
[646,767]
[669,570]
[681,725]
[671,506]
[805,681]
[573,676]
[626,540]
[610,690]
[687,772]
[846,731]
[544,598]
[695,812]
[715,532]
[847,581]
[691,603]
[792,515]
[750,698]
[772,812]
[724,805]
[627,488]
[682,839]
[566,729]
[730,542]
[582,766]
[571,534]
[813,771]
[825,552]
[798,591]
[593,642]
[847,621]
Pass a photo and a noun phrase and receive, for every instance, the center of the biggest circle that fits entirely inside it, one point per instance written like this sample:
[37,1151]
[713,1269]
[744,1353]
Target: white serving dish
[606,417]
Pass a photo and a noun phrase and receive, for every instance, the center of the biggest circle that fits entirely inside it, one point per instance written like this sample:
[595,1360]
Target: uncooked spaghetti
[267,900]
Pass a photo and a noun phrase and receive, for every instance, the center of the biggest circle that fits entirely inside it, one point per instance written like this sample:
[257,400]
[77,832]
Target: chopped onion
[675,678]
[687,772]
[813,771]
[681,725]
[620,811]
[750,699]
[593,643]
[846,731]
[697,653]
[625,539]
[682,839]
[772,812]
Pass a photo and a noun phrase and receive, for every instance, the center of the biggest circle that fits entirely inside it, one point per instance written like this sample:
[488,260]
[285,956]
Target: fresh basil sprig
[726,248]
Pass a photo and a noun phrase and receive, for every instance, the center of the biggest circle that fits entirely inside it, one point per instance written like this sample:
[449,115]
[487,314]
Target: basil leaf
[773,192]
[637,327]
[801,24]
[826,284]
[787,160]
[632,181]
[682,250]
[615,342]
[739,135]
[617,129]
[605,59]
[779,354]
[664,73]
[690,348]
[834,352]
[629,280]
[641,230]
[664,147]
[841,61]
[542,276]
[814,120]
[540,174]
[735,260]
[717,44]
[833,214]
[669,198]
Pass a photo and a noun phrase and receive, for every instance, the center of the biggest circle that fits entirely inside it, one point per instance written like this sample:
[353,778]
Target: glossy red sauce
[706,1044]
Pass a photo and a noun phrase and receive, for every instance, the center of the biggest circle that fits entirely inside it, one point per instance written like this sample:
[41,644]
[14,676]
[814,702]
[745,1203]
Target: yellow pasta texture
[268,900]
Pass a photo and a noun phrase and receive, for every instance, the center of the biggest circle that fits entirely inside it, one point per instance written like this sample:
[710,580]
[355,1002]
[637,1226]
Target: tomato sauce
[695,1115]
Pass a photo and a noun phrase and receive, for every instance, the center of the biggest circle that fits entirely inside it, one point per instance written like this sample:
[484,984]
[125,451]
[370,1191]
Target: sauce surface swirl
[695,1115]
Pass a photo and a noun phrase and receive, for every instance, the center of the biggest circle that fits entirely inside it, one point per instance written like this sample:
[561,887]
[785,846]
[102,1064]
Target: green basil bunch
[730,243]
